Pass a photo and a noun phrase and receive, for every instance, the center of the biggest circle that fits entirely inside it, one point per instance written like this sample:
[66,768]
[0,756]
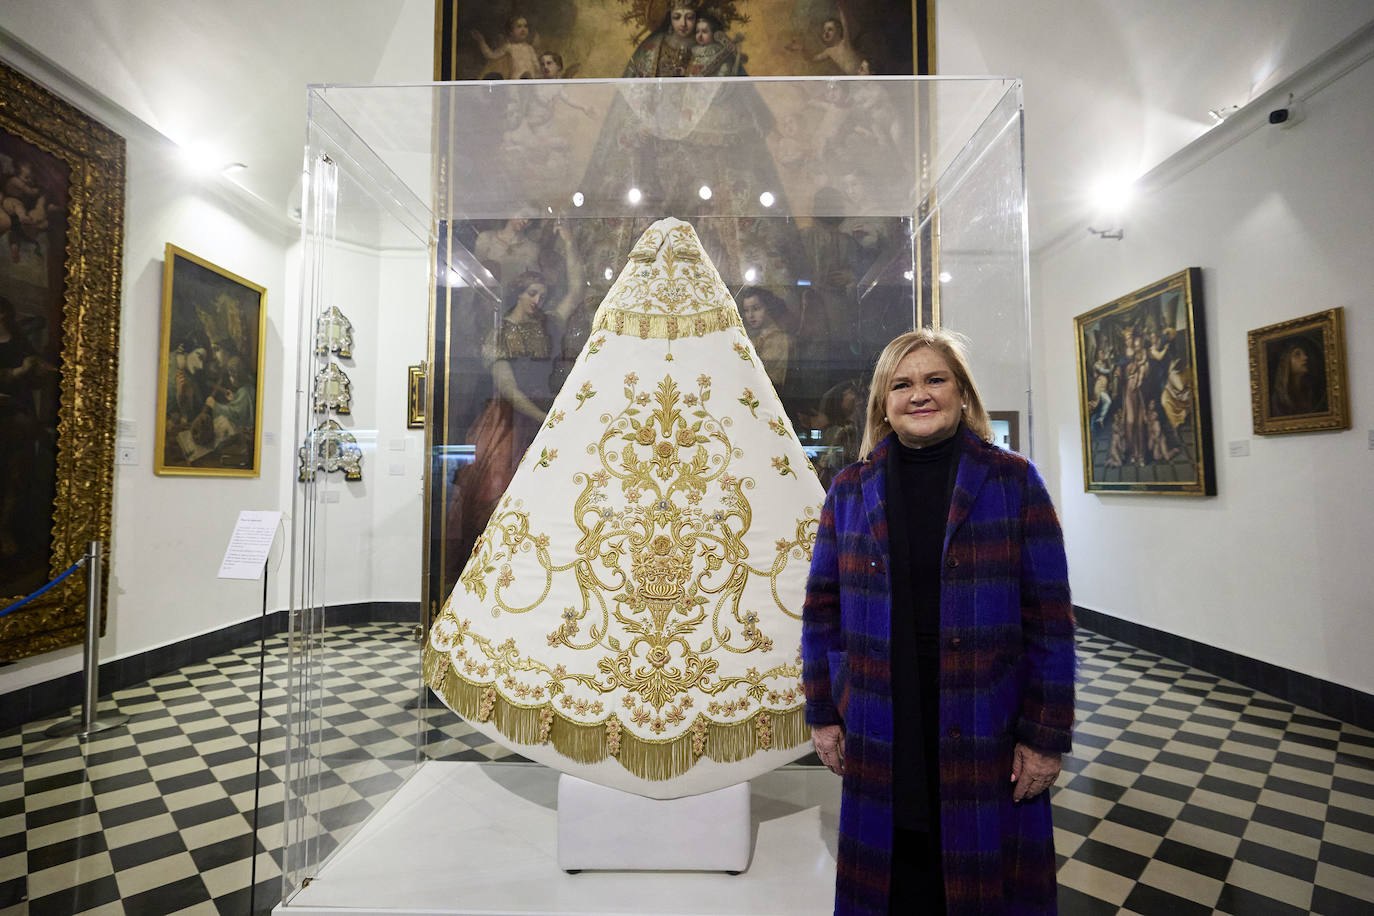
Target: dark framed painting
[826,291]
[209,396]
[1298,375]
[415,397]
[562,39]
[1143,393]
[61,251]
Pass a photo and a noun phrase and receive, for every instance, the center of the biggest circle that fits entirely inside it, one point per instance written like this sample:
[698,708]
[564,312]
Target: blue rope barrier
[23,601]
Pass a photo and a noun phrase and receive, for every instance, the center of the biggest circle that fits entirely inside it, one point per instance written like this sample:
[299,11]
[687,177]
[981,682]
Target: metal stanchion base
[78,727]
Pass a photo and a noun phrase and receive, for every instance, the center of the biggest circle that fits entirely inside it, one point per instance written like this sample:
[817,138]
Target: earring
[885,420]
[966,407]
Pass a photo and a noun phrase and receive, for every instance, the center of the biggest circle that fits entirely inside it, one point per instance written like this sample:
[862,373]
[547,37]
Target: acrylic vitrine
[861,207]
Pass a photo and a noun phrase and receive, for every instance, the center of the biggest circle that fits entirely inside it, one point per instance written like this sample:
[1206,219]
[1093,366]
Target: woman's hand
[1031,771]
[828,740]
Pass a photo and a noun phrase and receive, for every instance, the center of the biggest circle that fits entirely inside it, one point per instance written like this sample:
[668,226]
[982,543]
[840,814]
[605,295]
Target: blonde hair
[950,345]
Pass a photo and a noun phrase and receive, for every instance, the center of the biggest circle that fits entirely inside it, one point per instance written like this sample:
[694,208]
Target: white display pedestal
[482,838]
[604,828]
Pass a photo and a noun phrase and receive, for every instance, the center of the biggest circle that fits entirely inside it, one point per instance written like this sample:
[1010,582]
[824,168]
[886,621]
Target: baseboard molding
[1334,700]
[39,701]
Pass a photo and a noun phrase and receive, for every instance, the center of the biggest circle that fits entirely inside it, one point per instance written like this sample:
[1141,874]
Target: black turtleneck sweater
[919,485]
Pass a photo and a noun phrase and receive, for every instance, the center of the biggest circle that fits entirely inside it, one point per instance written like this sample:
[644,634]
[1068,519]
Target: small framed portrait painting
[1297,375]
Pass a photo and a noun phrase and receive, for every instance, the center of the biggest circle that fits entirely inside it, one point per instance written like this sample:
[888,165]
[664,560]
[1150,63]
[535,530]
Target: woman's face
[533,297]
[753,312]
[704,35]
[1297,361]
[924,402]
[684,22]
[519,224]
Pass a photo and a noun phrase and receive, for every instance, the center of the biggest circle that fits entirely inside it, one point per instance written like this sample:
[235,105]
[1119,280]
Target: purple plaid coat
[1006,675]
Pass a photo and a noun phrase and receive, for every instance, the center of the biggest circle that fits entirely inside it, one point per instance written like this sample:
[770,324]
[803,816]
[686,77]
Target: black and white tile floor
[1185,793]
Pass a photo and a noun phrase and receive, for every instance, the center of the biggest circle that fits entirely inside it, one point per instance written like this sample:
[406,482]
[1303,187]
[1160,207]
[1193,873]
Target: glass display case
[839,213]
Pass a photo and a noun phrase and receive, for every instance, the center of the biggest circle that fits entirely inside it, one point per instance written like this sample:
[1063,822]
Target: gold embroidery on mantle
[661,582]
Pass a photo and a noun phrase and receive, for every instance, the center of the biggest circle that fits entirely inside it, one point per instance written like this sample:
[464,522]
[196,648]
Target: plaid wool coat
[1006,675]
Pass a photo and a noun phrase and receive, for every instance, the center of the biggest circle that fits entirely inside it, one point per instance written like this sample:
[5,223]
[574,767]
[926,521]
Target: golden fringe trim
[666,327]
[668,758]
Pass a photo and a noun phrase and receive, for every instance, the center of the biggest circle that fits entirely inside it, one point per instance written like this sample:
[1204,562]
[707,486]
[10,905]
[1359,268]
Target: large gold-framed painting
[209,402]
[822,267]
[553,39]
[1145,404]
[61,243]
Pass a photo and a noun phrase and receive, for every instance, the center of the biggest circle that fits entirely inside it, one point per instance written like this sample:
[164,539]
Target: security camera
[1287,116]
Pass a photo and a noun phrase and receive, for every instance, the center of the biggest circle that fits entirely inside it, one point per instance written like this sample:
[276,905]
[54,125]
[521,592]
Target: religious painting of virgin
[1298,376]
[1145,406]
[61,241]
[820,293]
[209,408]
[565,39]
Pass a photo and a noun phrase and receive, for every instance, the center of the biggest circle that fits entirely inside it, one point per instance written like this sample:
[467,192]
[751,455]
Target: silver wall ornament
[333,390]
[334,449]
[334,333]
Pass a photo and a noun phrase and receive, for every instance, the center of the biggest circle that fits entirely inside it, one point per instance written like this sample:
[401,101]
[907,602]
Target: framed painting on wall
[1297,375]
[1144,402]
[61,250]
[209,401]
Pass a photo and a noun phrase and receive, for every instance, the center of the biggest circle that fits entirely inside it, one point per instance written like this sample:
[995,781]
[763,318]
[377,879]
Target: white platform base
[604,828]
[481,838]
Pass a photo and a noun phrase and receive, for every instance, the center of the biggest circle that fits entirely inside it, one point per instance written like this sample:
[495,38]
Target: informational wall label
[249,544]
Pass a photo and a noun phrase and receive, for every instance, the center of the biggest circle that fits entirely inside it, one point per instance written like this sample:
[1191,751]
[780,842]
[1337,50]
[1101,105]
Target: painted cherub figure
[835,35]
[519,59]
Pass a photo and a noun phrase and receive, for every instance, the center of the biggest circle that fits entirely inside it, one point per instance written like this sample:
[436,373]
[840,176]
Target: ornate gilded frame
[88,302]
[1168,403]
[415,396]
[1322,338]
[179,303]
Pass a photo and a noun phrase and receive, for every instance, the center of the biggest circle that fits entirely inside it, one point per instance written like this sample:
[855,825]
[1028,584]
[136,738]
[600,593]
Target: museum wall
[169,533]
[1276,565]
[371,530]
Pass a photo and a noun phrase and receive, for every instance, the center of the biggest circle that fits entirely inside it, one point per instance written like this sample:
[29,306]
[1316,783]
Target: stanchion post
[90,722]
[90,705]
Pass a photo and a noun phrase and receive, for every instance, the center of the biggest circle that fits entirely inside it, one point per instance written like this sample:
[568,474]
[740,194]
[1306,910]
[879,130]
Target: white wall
[1277,565]
[169,532]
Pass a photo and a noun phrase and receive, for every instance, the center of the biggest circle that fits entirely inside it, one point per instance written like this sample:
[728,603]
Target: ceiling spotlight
[609,273]
[635,195]
[750,275]
[767,198]
[578,199]
[704,192]
[945,276]
[1112,195]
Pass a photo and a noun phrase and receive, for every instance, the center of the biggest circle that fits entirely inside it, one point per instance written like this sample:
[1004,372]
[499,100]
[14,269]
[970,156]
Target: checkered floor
[1185,793]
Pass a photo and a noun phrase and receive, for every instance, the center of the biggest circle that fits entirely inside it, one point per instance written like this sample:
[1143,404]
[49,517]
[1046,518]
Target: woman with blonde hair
[937,650]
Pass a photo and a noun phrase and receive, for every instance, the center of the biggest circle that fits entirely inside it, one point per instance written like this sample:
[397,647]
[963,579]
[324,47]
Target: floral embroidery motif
[585,394]
[743,352]
[748,400]
[783,465]
[777,426]
[555,417]
[546,456]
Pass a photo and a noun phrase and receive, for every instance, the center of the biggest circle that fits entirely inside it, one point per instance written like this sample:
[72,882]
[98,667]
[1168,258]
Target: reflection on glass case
[334,334]
[491,220]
